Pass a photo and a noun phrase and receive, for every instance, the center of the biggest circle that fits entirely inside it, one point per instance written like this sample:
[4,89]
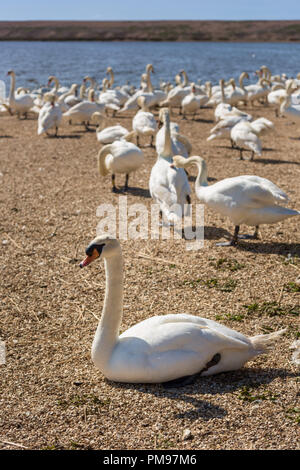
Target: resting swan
[245,199]
[169,349]
[120,157]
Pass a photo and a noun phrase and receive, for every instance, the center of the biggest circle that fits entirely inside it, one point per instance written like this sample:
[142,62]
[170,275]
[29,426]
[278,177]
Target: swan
[223,128]
[179,143]
[120,93]
[176,94]
[21,104]
[68,97]
[146,90]
[245,199]
[120,157]
[169,187]
[244,135]
[50,115]
[258,90]
[84,110]
[171,349]
[287,108]
[237,94]
[279,91]
[191,103]
[107,135]
[144,123]
[108,98]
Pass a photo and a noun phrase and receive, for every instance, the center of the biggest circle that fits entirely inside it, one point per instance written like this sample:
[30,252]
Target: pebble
[187,434]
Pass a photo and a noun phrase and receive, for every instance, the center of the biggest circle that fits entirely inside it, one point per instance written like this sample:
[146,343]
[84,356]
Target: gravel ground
[51,395]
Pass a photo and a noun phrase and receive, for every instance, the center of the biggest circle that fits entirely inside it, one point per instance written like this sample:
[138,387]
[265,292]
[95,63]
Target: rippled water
[33,62]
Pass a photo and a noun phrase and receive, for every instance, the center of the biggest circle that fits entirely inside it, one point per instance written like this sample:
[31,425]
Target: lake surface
[33,62]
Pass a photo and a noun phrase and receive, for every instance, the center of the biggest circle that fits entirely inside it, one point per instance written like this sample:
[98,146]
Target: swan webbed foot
[230,243]
[234,239]
[255,235]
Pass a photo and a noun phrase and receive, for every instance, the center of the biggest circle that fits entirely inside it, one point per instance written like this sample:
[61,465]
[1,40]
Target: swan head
[10,72]
[102,247]
[163,112]
[178,161]
[149,68]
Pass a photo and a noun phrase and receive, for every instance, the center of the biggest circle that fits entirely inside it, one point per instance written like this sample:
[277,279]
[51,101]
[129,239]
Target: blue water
[33,62]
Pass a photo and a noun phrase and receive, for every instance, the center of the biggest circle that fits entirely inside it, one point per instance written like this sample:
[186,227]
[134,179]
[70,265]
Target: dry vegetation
[252,31]
[51,395]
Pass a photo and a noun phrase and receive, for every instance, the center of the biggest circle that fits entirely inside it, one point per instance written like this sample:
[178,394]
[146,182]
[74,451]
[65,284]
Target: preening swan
[170,349]
[245,199]
[120,157]
[50,115]
[107,135]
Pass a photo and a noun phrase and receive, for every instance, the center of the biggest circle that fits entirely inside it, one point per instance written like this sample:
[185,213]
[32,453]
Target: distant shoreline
[177,31]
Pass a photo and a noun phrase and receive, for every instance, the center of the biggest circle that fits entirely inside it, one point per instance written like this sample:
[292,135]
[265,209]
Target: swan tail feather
[262,343]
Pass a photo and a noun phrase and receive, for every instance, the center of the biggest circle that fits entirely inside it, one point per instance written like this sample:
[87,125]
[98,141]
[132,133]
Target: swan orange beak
[89,259]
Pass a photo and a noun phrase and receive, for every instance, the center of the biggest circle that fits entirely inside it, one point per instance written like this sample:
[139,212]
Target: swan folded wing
[169,347]
[262,189]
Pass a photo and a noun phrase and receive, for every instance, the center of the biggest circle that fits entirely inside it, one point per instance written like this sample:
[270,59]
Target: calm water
[33,62]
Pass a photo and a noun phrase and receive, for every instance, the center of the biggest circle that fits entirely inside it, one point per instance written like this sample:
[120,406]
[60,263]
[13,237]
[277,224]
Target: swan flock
[172,349]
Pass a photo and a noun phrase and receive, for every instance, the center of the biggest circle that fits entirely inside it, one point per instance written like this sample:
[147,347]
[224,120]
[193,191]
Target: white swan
[179,143]
[223,128]
[107,135]
[286,108]
[120,157]
[243,135]
[21,104]
[245,199]
[144,122]
[191,103]
[237,94]
[84,110]
[171,349]
[50,115]
[258,90]
[169,187]
[279,91]
[176,94]
[246,134]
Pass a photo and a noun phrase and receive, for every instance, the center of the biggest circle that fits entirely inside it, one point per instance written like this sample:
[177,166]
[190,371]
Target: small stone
[186,435]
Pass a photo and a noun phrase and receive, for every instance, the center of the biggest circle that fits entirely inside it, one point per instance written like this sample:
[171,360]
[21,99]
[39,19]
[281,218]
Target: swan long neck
[149,84]
[107,332]
[201,180]
[222,91]
[167,151]
[101,159]
[241,80]
[185,79]
[112,77]
[12,87]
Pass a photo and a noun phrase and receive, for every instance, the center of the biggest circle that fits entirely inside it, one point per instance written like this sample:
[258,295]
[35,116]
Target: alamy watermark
[138,222]
[2,353]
